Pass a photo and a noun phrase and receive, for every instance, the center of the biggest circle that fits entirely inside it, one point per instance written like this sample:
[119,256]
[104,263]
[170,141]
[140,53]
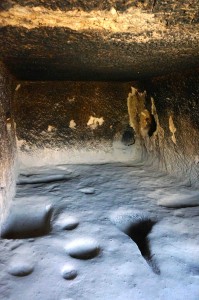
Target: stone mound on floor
[83,248]
[24,222]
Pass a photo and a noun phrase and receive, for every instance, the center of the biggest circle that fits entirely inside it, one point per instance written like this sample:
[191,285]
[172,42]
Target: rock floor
[110,231]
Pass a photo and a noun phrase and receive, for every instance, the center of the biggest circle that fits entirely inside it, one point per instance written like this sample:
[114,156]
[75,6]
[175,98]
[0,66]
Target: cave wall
[172,102]
[70,122]
[7,142]
[77,122]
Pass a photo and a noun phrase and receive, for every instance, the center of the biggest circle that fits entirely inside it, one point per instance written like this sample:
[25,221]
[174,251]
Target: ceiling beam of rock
[99,40]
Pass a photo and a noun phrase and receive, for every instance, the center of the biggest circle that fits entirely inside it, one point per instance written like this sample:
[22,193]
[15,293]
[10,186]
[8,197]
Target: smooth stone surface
[83,248]
[23,222]
[180,200]
[41,178]
[16,245]
[88,190]
[69,272]
[31,240]
[120,271]
[67,222]
[20,268]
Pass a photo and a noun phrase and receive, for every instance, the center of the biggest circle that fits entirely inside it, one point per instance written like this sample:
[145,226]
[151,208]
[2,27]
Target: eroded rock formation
[165,120]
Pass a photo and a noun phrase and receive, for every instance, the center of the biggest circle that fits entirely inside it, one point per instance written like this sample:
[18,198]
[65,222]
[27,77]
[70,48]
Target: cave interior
[99,159]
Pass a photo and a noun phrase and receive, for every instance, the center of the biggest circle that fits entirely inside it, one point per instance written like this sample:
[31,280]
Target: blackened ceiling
[98,40]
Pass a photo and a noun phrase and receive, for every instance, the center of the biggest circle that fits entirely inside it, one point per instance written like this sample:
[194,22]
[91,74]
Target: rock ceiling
[98,40]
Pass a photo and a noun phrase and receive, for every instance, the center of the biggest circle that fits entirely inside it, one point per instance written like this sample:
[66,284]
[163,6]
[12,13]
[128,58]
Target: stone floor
[108,231]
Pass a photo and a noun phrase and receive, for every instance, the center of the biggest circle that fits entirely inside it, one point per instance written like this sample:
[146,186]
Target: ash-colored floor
[83,214]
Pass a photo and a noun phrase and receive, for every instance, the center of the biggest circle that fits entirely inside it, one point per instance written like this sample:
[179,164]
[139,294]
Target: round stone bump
[69,272]
[87,190]
[83,248]
[67,222]
[20,268]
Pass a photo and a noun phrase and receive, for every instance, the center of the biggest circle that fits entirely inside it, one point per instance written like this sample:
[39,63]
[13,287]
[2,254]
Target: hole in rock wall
[153,126]
[128,136]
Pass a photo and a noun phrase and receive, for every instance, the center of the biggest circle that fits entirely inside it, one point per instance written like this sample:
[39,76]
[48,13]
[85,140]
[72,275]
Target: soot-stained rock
[69,272]
[20,267]
[83,248]
[27,222]
[66,222]
[128,137]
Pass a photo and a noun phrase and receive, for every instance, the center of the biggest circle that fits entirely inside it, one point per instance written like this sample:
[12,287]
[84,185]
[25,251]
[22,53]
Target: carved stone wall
[166,120]
[7,142]
[72,121]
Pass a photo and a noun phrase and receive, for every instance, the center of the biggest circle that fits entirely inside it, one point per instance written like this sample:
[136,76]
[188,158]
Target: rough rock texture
[189,7]
[170,108]
[7,141]
[71,116]
[98,40]
[53,117]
